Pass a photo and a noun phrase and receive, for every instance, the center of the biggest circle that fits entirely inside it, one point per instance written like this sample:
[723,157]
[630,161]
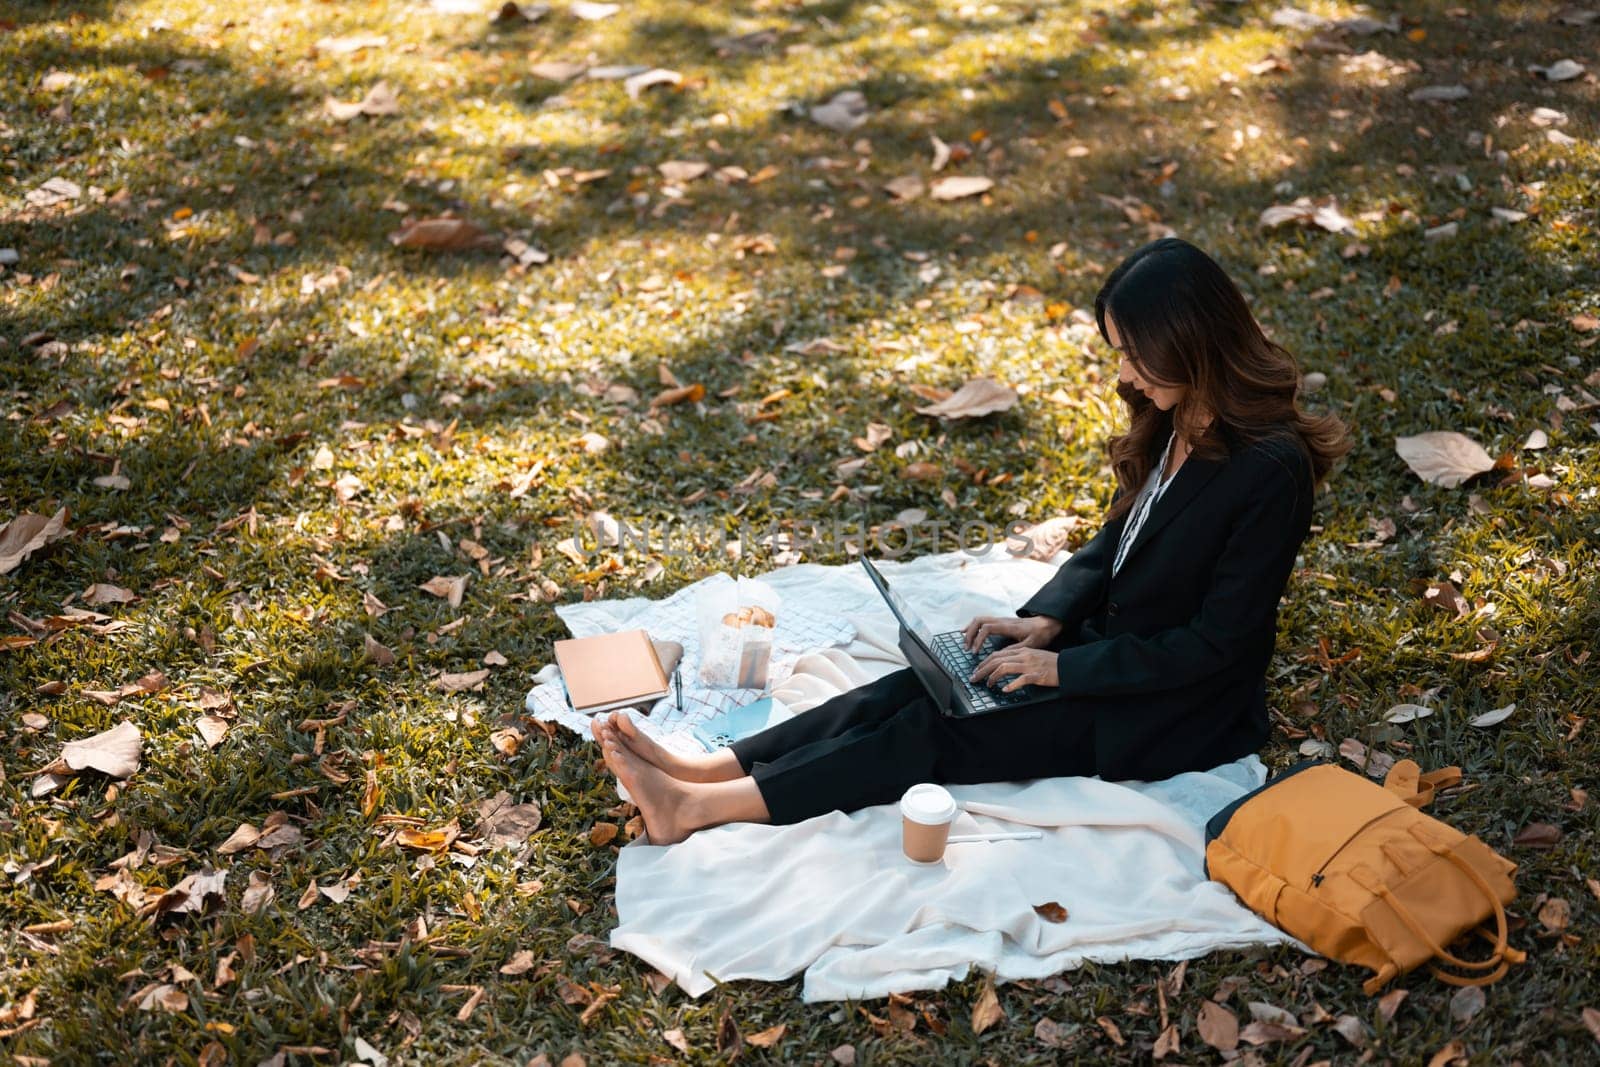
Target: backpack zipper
[1317,878]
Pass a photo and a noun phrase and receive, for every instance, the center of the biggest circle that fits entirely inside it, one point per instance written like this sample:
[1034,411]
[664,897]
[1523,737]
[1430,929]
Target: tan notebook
[609,671]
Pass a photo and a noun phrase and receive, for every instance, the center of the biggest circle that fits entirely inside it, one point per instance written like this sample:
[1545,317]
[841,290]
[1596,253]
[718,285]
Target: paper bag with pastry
[737,619]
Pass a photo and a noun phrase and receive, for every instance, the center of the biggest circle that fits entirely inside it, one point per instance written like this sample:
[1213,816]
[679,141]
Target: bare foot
[657,794]
[710,767]
[603,730]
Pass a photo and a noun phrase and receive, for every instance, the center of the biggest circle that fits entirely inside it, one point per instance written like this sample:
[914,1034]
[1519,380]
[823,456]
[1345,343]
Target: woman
[1157,632]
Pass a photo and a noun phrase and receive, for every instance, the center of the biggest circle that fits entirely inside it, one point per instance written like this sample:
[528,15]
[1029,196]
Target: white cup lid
[928,804]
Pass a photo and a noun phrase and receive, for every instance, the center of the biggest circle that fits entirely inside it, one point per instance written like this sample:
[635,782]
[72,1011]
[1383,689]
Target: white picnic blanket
[834,897]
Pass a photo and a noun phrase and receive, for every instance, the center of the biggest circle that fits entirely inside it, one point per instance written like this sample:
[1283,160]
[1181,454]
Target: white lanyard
[1153,489]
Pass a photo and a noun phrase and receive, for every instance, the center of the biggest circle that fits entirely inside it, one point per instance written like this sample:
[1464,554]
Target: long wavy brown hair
[1183,322]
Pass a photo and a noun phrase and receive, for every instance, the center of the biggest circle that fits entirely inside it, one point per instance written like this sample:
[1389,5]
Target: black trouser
[867,746]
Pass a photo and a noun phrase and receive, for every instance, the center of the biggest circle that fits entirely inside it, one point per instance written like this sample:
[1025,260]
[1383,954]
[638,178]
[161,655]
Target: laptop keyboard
[949,651]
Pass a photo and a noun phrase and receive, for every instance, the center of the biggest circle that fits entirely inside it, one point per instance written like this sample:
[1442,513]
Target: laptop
[944,666]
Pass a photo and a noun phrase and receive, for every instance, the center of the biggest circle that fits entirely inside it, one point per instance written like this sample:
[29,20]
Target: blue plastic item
[723,729]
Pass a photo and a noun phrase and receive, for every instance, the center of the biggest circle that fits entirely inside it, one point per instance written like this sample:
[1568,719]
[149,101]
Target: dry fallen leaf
[347,488]
[1375,763]
[1352,1030]
[1263,1033]
[356,42]
[506,741]
[192,895]
[27,534]
[877,434]
[377,652]
[447,588]
[1390,1002]
[101,594]
[1455,1050]
[980,396]
[690,393]
[1439,93]
[768,1037]
[557,70]
[957,186]
[1467,1002]
[729,1040]
[1166,1042]
[816,346]
[681,171]
[114,752]
[1447,598]
[1051,912]
[1559,71]
[1218,1026]
[1538,835]
[443,234]
[160,996]
[212,729]
[1493,718]
[602,833]
[277,831]
[520,963]
[245,837]
[429,840]
[1042,540]
[906,187]
[1555,914]
[637,84]
[258,893]
[1050,1033]
[1443,457]
[843,112]
[1406,713]
[986,1010]
[504,824]
[592,443]
[380,100]
[1324,214]
[1263,1012]
[456,683]
[514,14]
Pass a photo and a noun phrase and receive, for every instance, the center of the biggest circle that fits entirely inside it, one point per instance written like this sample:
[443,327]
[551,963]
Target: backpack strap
[1407,781]
[1502,955]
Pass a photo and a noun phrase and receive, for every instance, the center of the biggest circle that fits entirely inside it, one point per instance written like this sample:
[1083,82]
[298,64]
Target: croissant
[750,615]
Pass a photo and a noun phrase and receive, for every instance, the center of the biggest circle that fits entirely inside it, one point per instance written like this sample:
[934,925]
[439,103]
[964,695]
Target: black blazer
[1170,655]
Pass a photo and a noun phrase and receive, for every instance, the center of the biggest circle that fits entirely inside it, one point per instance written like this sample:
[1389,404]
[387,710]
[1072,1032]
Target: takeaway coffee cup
[926,812]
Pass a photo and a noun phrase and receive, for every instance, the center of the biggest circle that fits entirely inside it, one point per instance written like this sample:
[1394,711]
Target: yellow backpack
[1354,870]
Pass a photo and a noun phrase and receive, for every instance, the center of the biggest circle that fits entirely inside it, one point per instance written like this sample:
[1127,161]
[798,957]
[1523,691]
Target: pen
[1018,835]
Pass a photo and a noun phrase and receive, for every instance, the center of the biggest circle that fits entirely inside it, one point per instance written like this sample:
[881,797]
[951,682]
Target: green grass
[148,330]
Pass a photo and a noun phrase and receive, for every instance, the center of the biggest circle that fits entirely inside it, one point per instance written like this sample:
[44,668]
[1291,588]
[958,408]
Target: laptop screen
[910,618]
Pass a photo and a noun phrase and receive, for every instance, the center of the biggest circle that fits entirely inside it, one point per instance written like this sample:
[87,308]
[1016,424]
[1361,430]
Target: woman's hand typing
[1031,666]
[1026,656]
[1034,632]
